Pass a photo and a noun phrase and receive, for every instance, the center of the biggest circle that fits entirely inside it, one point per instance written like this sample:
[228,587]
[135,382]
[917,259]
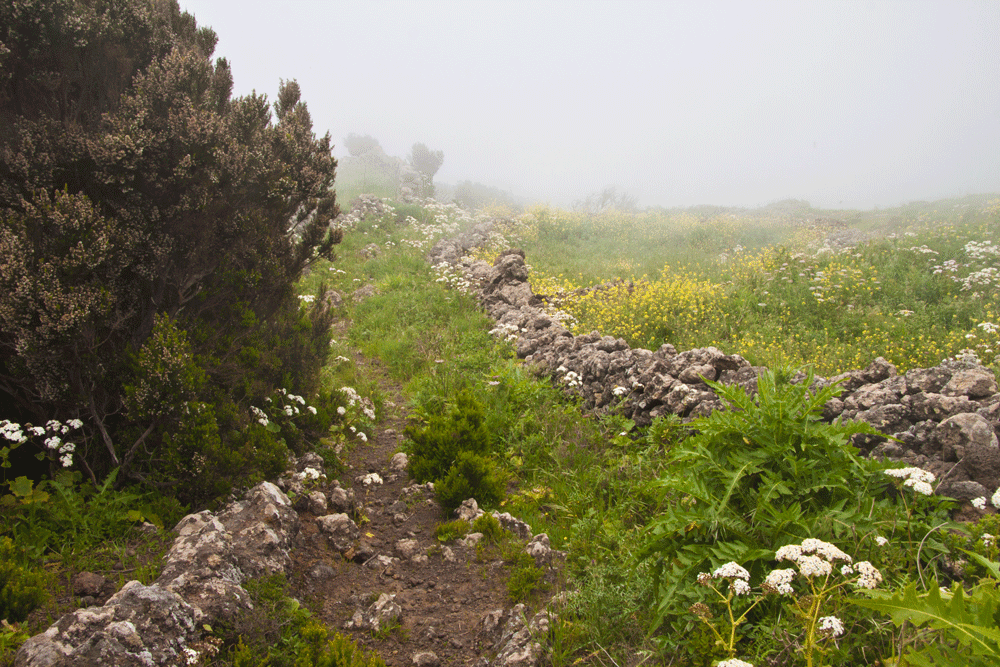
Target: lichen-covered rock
[972,382]
[139,626]
[340,529]
[384,612]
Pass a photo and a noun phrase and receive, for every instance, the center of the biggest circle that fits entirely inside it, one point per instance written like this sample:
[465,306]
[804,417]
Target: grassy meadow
[681,549]
[921,286]
[719,543]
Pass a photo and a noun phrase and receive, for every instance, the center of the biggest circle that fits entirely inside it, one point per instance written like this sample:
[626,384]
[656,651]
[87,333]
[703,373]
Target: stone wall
[944,419]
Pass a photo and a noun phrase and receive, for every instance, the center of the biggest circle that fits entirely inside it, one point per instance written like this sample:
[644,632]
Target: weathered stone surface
[425,659]
[88,583]
[399,463]
[314,503]
[384,612]
[973,382]
[341,500]
[408,549]
[956,434]
[340,530]
[138,627]
[468,510]
[514,640]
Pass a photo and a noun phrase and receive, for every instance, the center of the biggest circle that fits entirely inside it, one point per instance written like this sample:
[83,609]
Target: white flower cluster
[949,266]
[54,429]
[290,410]
[982,250]
[982,278]
[924,250]
[831,625]
[309,474]
[307,298]
[736,574]
[260,415]
[619,391]
[505,332]
[353,398]
[452,278]
[917,478]
[815,558]
[734,662]
[570,378]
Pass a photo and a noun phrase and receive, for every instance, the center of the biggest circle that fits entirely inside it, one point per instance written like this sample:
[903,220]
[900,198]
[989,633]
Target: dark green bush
[169,222]
[456,427]
[22,588]
[471,476]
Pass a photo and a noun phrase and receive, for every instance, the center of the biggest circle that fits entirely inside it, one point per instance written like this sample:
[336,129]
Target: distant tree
[608,199]
[427,162]
[151,230]
[476,195]
[358,145]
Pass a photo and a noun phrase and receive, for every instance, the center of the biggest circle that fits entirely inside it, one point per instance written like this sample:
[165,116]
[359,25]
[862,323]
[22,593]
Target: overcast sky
[844,104]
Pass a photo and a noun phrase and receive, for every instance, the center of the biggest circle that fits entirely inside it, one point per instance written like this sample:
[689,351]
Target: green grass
[593,484]
[762,285]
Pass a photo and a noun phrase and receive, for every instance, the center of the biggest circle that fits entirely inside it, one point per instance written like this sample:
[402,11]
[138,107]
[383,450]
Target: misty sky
[844,104]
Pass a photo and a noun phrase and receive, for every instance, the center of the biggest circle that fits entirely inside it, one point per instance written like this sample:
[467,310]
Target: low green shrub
[22,588]
[489,526]
[471,476]
[454,427]
[450,531]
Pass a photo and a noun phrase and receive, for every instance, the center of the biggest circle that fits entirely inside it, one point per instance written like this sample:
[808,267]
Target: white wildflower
[881,541]
[311,409]
[995,500]
[831,625]
[341,410]
[868,575]
[813,566]
[920,486]
[780,581]
[788,552]
[979,503]
[739,587]
[731,570]
[734,662]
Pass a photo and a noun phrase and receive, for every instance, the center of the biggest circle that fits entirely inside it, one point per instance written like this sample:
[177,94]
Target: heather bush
[152,228]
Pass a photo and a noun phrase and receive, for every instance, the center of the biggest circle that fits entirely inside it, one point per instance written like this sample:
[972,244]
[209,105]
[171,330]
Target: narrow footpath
[395,587]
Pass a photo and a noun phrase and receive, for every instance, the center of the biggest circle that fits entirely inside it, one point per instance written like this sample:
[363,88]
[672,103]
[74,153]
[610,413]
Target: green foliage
[450,531]
[451,428]
[965,622]
[22,588]
[524,579]
[764,473]
[152,228]
[471,476]
[489,526]
[279,632]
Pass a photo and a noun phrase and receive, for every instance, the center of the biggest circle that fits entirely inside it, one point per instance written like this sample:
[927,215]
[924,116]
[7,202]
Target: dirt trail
[443,591]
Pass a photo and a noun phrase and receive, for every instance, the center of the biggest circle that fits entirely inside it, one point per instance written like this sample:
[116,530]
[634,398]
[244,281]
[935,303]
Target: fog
[843,104]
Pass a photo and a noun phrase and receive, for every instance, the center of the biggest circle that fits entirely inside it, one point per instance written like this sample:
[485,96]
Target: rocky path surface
[393,585]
